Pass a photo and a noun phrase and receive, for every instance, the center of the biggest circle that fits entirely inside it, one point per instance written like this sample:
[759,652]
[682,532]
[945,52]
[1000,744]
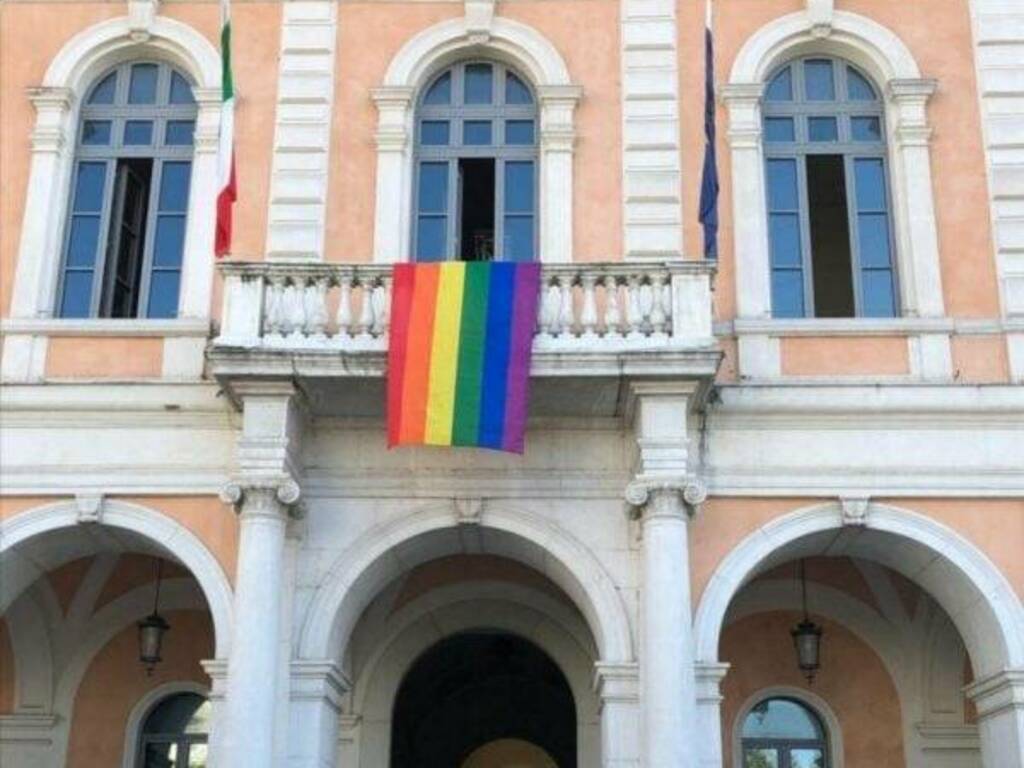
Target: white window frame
[817,705]
[887,60]
[144,706]
[477,35]
[140,35]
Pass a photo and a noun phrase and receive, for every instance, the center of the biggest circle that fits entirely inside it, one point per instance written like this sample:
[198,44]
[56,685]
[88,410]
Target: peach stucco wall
[866,704]
[878,356]
[591,54]
[980,359]
[115,681]
[103,358]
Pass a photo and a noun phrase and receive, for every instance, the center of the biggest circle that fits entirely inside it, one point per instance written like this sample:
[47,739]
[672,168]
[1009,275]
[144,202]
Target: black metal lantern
[807,637]
[152,628]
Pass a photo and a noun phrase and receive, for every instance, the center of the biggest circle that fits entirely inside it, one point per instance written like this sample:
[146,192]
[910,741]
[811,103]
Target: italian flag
[226,191]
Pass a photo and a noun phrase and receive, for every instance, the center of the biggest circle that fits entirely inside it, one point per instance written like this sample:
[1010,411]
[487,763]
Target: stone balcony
[598,326]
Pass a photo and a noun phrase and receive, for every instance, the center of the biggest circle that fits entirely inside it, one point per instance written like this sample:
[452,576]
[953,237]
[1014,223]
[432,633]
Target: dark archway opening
[474,688]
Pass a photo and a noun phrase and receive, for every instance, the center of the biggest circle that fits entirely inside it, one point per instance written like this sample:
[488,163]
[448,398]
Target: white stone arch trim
[140,711]
[811,700]
[57,100]
[168,534]
[404,647]
[511,42]
[905,93]
[365,567]
[960,577]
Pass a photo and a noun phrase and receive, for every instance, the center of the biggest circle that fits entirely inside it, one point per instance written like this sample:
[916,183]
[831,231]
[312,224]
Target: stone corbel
[90,508]
[479,17]
[819,13]
[284,490]
[691,489]
[140,18]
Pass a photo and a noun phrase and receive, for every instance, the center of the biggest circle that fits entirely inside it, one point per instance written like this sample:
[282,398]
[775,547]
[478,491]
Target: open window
[829,206]
[125,234]
[476,166]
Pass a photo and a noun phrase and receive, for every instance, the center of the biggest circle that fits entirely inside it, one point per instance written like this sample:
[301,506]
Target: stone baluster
[381,298]
[271,298]
[657,314]
[634,316]
[365,322]
[612,311]
[296,318]
[646,296]
[343,317]
[588,317]
[666,302]
[316,306]
[566,320]
[550,301]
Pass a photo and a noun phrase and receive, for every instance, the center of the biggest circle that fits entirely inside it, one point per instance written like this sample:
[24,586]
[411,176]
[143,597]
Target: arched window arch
[829,205]
[175,733]
[784,732]
[125,233]
[476,163]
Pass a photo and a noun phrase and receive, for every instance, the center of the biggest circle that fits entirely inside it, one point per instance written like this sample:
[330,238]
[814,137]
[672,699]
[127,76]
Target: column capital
[318,680]
[264,496]
[217,671]
[617,681]
[643,496]
[997,693]
[709,676]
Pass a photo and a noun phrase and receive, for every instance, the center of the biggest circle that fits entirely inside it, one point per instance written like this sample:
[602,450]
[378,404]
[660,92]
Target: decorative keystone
[855,509]
[468,511]
[90,508]
[479,17]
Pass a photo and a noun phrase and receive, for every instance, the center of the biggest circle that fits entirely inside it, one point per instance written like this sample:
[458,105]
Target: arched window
[784,733]
[829,206]
[125,231]
[175,732]
[476,166]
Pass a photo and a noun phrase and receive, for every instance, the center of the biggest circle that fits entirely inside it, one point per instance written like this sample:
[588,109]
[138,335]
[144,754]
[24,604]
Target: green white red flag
[226,191]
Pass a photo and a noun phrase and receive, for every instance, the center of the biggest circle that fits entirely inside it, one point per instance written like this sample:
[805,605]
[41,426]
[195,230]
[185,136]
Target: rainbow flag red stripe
[459,353]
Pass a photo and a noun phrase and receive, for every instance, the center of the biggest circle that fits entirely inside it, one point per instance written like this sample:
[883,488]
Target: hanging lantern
[152,629]
[807,637]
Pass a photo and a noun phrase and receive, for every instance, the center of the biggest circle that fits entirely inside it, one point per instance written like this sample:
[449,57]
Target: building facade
[826,423]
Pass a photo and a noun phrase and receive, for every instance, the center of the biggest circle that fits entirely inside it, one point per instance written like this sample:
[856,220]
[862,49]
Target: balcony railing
[603,309]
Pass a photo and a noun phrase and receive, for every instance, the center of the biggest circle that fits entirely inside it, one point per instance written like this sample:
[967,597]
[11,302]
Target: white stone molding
[972,590]
[173,538]
[1000,702]
[855,509]
[651,165]
[821,29]
[316,690]
[370,562]
[998,53]
[90,507]
[141,709]
[708,677]
[72,71]
[811,700]
[513,43]
[302,134]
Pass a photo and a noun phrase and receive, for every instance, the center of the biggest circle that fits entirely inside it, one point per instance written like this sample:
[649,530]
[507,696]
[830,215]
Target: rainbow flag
[459,353]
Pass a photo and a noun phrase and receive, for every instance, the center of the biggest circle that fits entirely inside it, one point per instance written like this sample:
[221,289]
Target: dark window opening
[831,266]
[476,198]
[126,242]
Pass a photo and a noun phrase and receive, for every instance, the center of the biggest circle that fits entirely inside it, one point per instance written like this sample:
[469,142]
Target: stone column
[664,495]
[709,715]
[1000,702]
[616,685]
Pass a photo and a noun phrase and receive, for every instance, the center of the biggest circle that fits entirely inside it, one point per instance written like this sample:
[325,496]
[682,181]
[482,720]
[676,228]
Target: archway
[473,689]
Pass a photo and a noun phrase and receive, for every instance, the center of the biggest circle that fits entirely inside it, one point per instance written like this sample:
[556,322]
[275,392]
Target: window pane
[181,91]
[867,129]
[169,240]
[519,187]
[77,294]
[476,132]
[163,293]
[160,756]
[174,714]
[174,186]
[518,245]
[434,132]
[89,187]
[104,92]
[870,182]
[760,758]
[785,240]
[782,190]
[179,133]
[138,132]
[431,237]
[781,719]
[441,91]
[433,187]
[516,91]
[806,758]
[85,232]
[873,233]
[877,290]
[822,129]
[787,293]
[197,756]
[519,132]
[819,81]
[478,87]
[96,133]
[142,87]
[779,129]
[859,88]
[781,87]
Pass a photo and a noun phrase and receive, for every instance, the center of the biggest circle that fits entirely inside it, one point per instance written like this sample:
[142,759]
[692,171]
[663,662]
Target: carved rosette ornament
[647,496]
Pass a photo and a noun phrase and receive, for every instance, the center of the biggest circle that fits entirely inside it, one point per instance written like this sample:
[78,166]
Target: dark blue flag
[709,177]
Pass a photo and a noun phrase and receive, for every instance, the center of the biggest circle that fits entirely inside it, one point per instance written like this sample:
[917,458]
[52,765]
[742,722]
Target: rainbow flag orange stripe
[459,353]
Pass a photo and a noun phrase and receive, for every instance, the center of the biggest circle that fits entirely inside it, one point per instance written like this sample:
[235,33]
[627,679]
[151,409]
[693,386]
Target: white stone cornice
[997,693]
[617,681]
[318,680]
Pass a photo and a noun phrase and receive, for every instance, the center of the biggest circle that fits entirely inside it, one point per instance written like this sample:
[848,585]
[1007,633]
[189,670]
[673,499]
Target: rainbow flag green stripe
[459,353]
